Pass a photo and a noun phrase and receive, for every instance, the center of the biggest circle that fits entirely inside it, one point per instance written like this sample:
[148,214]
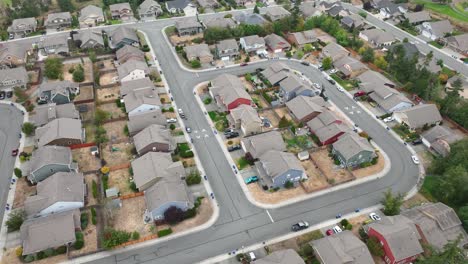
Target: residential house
[53,231]
[276,43]
[399,238]
[89,39]
[410,49]
[132,70]
[243,2]
[353,21]
[155,138]
[337,11]
[253,44]
[246,118]
[121,11]
[142,101]
[21,27]
[122,36]
[63,191]
[48,112]
[200,52]
[47,160]
[284,256]
[275,73]
[438,225]
[276,168]
[294,86]
[275,13]
[58,20]
[14,77]
[59,92]
[436,30]
[227,49]
[299,39]
[325,118]
[438,139]
[416,18]
[389,9]
[458,43]
[334,51]
[419,116]
[135,85]
[127,53]
[250,19]
[259,144]
[164,194]
[137,123]
[331,133]
[305,108]
[60,132]
[13,54]
[324,6]
[54,44]
[208,4]
[155,166]
[188,26]
[353,150]
[377,38]
[178,6]
[464,85]
[91,16]
[229,92]
[349,67]
[220,22]
[309,10]
[380,90]
[341,248]
[149,9]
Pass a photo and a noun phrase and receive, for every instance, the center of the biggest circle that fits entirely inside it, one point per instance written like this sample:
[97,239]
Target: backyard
[86,161]
[115,130]
[219,119]
[121,180]
[117,154]
[107,94]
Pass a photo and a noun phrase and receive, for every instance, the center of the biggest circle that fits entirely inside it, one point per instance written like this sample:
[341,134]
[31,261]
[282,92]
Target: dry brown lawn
[86,93]
[274,197]
[170,115]
[90,239]
[316,180]
[88,70]
[283,111]
[33,76]
[108,78]
[113,109]
[107,94]
[371,170]
[204,214]
[115,130]
[416,200]
[23,190]
[86,161]
[271,116]
[176,40]
[106,64]
[120,179]
[165,97]
[118,157]
[130,216]
[332,172]
[89,115]
[89,178]
[248,85]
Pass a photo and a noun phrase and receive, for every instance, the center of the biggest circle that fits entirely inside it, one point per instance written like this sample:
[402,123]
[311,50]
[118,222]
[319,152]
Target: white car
[332,71]
[171,120]
[415,159]
[337,229]
[340,89]
[374,217]
[180,111]
[389,119]
[188,129]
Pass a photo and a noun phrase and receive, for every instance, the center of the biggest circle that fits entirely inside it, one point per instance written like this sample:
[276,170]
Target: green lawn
[429,185]
[242,163]
[444,9]
[348,85]
[436,44]
[7,2]
[219,119]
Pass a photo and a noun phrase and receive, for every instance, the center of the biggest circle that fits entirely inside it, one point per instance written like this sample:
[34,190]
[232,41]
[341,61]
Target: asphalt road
[240,223]
[10,127]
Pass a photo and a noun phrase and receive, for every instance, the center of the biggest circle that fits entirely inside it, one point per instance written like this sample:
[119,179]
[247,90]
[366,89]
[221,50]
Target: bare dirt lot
[121,180]
[274,197]
[271,116]
[120,154]
[204,214]
[316,180]
[89,114]
[86,161]
[105,64]
[107,94]
[334,173]
[88,70]
[176,40]
[113,109]
[86,93]
[115,130]
[90,239]
[23,190]
[89,178]
[283,111]
[371,170]
[130,216]
[108,78]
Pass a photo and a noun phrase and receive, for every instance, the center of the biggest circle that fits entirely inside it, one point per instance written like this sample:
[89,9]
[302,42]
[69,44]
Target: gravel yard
[115,130]
[23,190]
[117,154]
[121,180]
[108,94]
[333,173]
[108,78]
[86,161]
[371,170]
[86,93]
[130,216]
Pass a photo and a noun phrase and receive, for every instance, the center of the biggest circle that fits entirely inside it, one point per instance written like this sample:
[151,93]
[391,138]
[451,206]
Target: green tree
[78,74]
[172,127]
[450,102]
[392,203]
[256,10]
[375,247]
[66,5]
[308,47]
[367,54]
[381,63]
[18,172]
[327,63]
[195,64]
[28,128]
[299,54]
[463,215]
[53,68]
[283,122]
[100,116]
[451,254]
[15,220]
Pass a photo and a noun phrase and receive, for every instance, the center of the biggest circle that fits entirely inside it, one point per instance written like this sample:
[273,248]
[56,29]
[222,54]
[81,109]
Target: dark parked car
[244,64]
[2,95]
[330,80]
[14,152]
[300,226]
[9,94]
[234,148]
[232,135]
[229,131]
[305,63]
[416,142]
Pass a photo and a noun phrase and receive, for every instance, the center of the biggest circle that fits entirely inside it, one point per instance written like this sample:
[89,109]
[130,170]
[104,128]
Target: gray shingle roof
[229,88]
[178,4]
[136,123]
[59,128]
[61,15]
[276,11]
[417,17]
[119,6]
[147,5]
[374,81]
[220,22]
[139,84]
[131,65]
[253,40]
[189,22]
[259,144]
[140,97]
[227,44]
[274,41]
[327,132]
[246,113]
[128,51]
[420,115]
[154,166]
[324,119]
[351,144]
[23,23]
[308,9]
[276,72]
[18,73]
[275,162]
[459,41]
[286,256]
[198,51]
[378,36]
[93,36]
[121,33]
[250,19]
[302,106]
[152,134]
[90,11]
[334,51]
[347,65]
[440,133]
[166,191]
[304,37]
[45,113]
[50,155]
[13,49]
[439,28]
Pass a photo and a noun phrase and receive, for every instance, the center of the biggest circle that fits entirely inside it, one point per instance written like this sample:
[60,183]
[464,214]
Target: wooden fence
[83,145]
[132,195]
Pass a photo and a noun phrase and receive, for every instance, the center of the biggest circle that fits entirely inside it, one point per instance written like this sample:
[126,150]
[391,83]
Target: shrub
[207,100]
[61,250]
[49,252]
[192,212]
[375,247]
[348,226]
[195,64]
[19,251]
[172,127]
[15,220]
[28,128]
[29,258]
[363,234]
[94,189]
[112,237]
[288,184]
[173,215]
[105,182]
[84,220]
[79,243]
[53,68]
[40,255]
[135,235]
[164,232]
[93,216]
[283,122]
[193,178]
[133,186]
[344,222]
[18,172]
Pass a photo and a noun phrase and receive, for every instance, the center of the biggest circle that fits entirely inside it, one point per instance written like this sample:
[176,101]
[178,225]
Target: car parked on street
[389,119]
[188,129]
[9,94]
[416,142]
[330,80]
[415,159]
[14,152]
[359,93]
[232,135]
[251,179]
[305,63]
[374,217]
[329,232]
[234,148]
[300,226]
[2,95]
[228,131]
[171,120]
[340,89]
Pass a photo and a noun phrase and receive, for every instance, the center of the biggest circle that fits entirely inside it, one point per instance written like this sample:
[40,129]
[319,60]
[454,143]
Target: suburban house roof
[18,73]
[378,36]
[275,11]
[460,41]
[417,17]
[137,123]
[61,15]
[380,86]
[259,144]
[131,65]
[46,155]
[152,134]
[342,248]
[304,37]
[58,42]
[134,85]
[119,6]
[419,115]
[45,113]
[128,51]
[276,72]
[250,19]
[285,256]
[438,28]
[294,83]
[440,133]
[275,162]
[89,35]
[334,51]
[52,231]
[229,88]
[139,97]
[308,9]
[352,144]
[147,6]
[330,131]
[274,42]
[177,4]
[166,191]
[401,235]
[23,24]
[302,106]
[246,114]
[335,10]
[353,20]
[189,22]
[121,33]
[13,49]
[438,223]
[227,44]
[207,3]
[347,65]
[198,51]
[68,128]
[90,11]
[60,187]
[220,22]
[156,165]
[253,40]
[323,119]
